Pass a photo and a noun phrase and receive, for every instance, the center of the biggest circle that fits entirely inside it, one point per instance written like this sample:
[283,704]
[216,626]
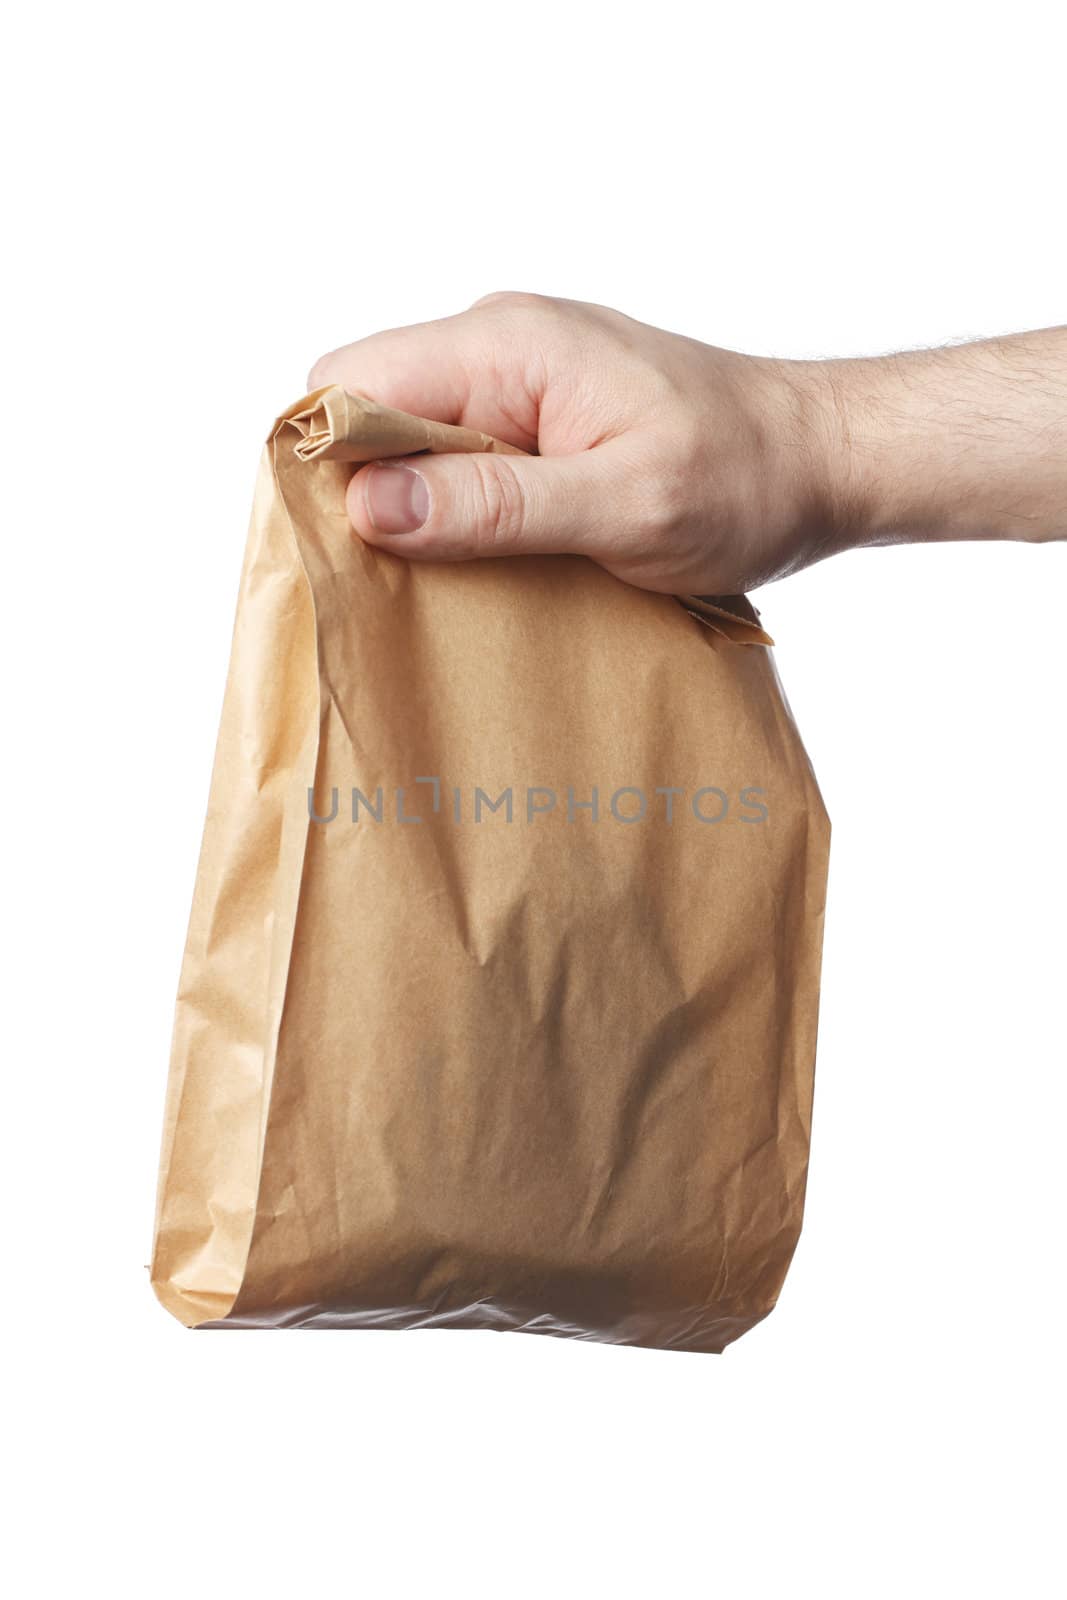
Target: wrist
[827,505]
[885,461]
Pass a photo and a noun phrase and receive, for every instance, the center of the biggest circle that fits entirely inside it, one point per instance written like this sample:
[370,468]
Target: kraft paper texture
[517,1066]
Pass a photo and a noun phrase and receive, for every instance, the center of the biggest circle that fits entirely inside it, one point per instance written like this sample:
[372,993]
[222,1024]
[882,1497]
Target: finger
[459,507]
[420,368]
[474,369]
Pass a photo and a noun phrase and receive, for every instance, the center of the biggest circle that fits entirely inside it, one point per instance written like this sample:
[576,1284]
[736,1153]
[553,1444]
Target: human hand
[677,466]
[688,469]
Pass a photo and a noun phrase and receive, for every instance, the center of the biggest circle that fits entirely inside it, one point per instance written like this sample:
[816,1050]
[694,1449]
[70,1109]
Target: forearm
[965,442]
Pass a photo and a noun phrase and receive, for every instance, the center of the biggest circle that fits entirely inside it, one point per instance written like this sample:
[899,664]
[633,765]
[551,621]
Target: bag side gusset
[240,928]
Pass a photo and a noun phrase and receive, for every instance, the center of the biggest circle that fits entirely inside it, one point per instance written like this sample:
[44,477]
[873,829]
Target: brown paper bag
[498,1007]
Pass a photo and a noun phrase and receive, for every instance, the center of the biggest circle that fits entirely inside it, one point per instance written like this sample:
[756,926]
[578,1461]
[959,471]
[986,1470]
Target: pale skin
[688,469]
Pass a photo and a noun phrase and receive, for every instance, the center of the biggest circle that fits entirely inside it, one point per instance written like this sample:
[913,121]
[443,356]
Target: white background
[201,200]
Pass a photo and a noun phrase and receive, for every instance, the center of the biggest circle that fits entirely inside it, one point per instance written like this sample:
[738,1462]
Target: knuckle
[665,500]
[673,480]
[514,300]
[499,505]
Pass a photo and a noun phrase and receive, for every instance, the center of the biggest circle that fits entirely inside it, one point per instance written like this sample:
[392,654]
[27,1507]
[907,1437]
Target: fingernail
[397,497]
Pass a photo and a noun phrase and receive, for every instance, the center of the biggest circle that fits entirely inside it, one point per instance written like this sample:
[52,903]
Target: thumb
[458,507]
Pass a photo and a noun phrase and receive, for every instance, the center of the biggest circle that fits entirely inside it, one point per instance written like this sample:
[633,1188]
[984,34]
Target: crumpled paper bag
[498,1006]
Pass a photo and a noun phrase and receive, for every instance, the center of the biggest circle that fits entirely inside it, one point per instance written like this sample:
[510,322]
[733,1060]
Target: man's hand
[685,468]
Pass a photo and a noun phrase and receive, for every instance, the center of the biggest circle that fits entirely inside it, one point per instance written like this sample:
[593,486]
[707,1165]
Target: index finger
[467,369]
